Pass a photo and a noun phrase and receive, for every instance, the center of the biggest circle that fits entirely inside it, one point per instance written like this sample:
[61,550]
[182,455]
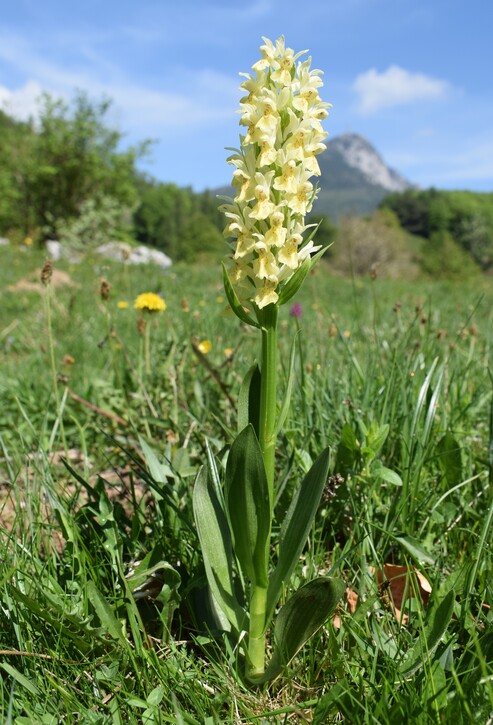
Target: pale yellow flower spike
[282,114]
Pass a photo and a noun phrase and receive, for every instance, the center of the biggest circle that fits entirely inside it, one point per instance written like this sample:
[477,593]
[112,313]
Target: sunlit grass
[78,646]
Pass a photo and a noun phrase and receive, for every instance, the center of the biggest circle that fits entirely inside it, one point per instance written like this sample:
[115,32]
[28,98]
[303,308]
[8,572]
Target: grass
[104,612]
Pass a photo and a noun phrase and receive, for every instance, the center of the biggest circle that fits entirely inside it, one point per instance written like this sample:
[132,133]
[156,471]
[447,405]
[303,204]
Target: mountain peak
[360,155]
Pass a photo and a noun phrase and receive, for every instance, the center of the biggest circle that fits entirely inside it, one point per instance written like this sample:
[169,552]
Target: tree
[180,222]
[68,156]
[443,258]
[376,245]
[16,166]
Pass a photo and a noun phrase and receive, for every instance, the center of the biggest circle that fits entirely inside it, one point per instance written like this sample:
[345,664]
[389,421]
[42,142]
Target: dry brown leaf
[351,599]
[402,583]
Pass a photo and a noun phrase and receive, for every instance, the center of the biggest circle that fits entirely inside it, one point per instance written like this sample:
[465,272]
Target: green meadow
[104,418]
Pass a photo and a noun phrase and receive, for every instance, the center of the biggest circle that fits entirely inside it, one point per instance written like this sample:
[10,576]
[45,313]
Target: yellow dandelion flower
[122,305]
[346,333]
[204,346]
[202,303]
[228,351]
[28,241]
[150,302]
[219,299]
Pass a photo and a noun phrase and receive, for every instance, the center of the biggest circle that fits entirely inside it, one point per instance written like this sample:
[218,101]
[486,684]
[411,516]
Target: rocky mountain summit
[355,178]
[360,155]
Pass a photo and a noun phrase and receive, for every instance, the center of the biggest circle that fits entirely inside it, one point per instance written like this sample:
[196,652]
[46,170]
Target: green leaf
[302,615]
[289,387]
[249,400]
[415,548]
[215,541]
[376,436]
[347,450]
[64,624]
[158,470]
[450,459]
[105,614]
[248,504]
[294,283]
[435,689]
[235,303]
[435,628]
[20,678]
[296,527]
[386,474]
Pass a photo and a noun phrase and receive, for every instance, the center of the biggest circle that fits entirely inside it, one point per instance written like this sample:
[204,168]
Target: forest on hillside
[66,176]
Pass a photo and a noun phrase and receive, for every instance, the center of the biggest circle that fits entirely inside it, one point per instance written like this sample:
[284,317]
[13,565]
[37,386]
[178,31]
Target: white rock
[121,251]
[146,255]
[54,250]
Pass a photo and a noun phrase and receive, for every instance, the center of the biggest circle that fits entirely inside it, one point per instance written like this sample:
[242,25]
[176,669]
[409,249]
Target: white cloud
[21,103]
[182,99]
[394,87]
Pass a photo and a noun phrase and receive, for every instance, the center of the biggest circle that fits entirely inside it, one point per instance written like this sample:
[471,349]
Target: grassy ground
[101,583]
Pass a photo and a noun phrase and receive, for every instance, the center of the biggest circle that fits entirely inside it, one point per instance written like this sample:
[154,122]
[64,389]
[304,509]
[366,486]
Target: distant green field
[393,376]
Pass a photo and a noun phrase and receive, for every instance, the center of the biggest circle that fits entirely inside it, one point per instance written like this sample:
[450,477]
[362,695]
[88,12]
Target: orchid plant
[271,256]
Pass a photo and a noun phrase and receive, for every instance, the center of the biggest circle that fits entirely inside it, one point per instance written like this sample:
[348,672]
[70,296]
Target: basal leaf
[296,527]
[304,613]
[215,541]
[248,504]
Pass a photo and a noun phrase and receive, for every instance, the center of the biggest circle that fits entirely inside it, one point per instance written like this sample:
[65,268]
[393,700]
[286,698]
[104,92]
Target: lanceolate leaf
[215,542]
[301,616]
[296,527]
[289,387]
[247,500]
[304,613]
[249,400]
[235,303]
[294,283]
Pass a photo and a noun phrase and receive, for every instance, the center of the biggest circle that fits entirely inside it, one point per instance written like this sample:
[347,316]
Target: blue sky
[412,76]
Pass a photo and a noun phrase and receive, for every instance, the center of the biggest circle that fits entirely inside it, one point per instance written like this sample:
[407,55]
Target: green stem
[256,635]
[147,346]
[267,440]
[268,386]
